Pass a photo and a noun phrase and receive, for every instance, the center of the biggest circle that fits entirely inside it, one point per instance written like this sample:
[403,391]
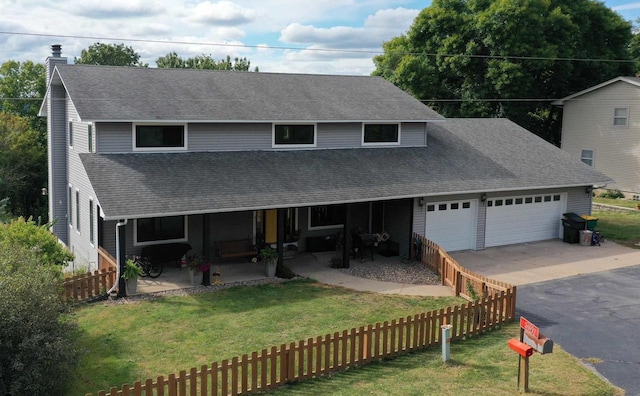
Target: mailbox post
[530,340]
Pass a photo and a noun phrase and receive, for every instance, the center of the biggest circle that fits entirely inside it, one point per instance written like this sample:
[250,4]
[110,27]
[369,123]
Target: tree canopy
[23,167]
[500,58]
[173,60]
[109,55]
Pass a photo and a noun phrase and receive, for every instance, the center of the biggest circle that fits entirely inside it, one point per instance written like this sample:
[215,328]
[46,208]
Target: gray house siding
[57,157]
[114,137]
[229,137]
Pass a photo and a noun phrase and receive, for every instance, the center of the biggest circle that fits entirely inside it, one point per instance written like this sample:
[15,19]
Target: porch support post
[122,257]
[346,248]
[282,219]
[206,248]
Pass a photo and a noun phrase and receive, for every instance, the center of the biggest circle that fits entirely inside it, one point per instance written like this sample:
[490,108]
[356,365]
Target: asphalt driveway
[585,298]
[592,316]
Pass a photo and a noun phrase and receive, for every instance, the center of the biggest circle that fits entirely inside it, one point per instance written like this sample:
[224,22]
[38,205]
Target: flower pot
[195,277]
[132,285]
[270,267]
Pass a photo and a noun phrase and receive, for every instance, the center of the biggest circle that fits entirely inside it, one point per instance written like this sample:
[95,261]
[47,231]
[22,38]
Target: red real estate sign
[529,327]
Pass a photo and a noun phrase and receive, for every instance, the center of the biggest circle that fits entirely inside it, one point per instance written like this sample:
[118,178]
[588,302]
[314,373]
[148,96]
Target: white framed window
[78,210]
[90,138]
[380,134]
[621,117]
[159,137]
[91,222]
[71,134]
[70,205]
[294,135]
[587,156]
[152,230]
[326,216]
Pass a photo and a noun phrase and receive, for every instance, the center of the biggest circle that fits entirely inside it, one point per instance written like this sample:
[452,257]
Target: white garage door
[452,225]
[525,218]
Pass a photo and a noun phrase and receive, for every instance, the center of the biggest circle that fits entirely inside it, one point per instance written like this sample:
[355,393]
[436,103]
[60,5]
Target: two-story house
[141,156]
[601,127]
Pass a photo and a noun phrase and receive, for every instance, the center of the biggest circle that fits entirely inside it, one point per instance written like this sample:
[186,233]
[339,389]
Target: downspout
[118,225]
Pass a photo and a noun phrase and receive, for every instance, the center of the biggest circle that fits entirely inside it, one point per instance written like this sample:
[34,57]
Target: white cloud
[101,9]
[223,13]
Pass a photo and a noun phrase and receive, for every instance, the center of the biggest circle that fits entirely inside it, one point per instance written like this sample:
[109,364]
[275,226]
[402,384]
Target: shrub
[37,333]
[26,234]
[612,194]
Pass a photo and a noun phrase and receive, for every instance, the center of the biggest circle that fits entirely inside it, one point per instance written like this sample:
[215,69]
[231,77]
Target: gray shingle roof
[105,93]
[464,155]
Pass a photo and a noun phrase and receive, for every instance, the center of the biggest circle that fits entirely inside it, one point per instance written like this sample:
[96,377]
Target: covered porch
[315,266]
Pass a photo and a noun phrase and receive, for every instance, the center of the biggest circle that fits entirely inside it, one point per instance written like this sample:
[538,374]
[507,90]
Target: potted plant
[197,265]
[270,258]
[130,274]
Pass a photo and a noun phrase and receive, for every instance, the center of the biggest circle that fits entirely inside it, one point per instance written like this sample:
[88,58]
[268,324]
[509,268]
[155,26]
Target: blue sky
[276,35]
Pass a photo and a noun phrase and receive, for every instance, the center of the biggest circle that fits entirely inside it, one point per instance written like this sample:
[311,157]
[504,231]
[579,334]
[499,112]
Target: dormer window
[294,135]
[159,137]
[381,134]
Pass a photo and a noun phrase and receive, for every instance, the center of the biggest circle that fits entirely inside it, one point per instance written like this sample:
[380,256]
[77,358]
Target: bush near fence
[321,355]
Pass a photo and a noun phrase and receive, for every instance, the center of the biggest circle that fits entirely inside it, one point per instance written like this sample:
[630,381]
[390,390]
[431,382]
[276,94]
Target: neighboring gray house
[601,127]
[209,156]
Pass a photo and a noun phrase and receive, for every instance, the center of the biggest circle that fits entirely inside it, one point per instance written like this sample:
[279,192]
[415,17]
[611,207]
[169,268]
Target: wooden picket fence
[92,284]
[313,357]
[452,274]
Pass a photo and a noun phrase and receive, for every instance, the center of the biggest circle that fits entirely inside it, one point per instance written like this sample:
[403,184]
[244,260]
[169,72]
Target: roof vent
[56,50]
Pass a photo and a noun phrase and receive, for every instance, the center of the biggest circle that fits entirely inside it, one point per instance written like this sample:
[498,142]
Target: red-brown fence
[464,282]
[313,357]
[92,284]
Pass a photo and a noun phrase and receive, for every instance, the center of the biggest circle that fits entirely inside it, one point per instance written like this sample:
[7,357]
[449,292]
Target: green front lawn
[625,203]
[128,342]
[621,227]
[479,366]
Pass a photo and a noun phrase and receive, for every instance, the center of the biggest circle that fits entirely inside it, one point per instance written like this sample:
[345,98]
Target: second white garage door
[452,225]
[521,219]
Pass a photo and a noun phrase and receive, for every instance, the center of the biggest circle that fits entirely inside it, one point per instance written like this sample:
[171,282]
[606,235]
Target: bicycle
[149,268]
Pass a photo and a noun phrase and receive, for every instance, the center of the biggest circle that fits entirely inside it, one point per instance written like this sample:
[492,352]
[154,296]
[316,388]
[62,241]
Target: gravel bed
[405,271]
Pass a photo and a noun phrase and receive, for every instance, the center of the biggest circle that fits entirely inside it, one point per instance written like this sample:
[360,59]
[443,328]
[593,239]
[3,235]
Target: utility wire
[335,50]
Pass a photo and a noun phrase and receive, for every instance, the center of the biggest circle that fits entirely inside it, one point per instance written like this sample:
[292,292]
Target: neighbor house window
[91,234]
[78,210]
[621,117]
[160,137]
[90,138]
[326,216]
[165,229]
[294,135]
[586,156]
[381,134]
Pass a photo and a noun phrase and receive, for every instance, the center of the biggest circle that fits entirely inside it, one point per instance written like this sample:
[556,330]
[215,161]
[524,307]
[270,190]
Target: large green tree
[22,87]
[173,60]
[502,58]
[37,332]
[109,55]
[23,167]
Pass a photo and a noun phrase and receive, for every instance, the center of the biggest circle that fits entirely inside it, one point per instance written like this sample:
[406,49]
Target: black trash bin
[572,224]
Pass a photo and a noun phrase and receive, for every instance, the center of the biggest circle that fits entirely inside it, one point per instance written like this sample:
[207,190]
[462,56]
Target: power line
[334,50]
